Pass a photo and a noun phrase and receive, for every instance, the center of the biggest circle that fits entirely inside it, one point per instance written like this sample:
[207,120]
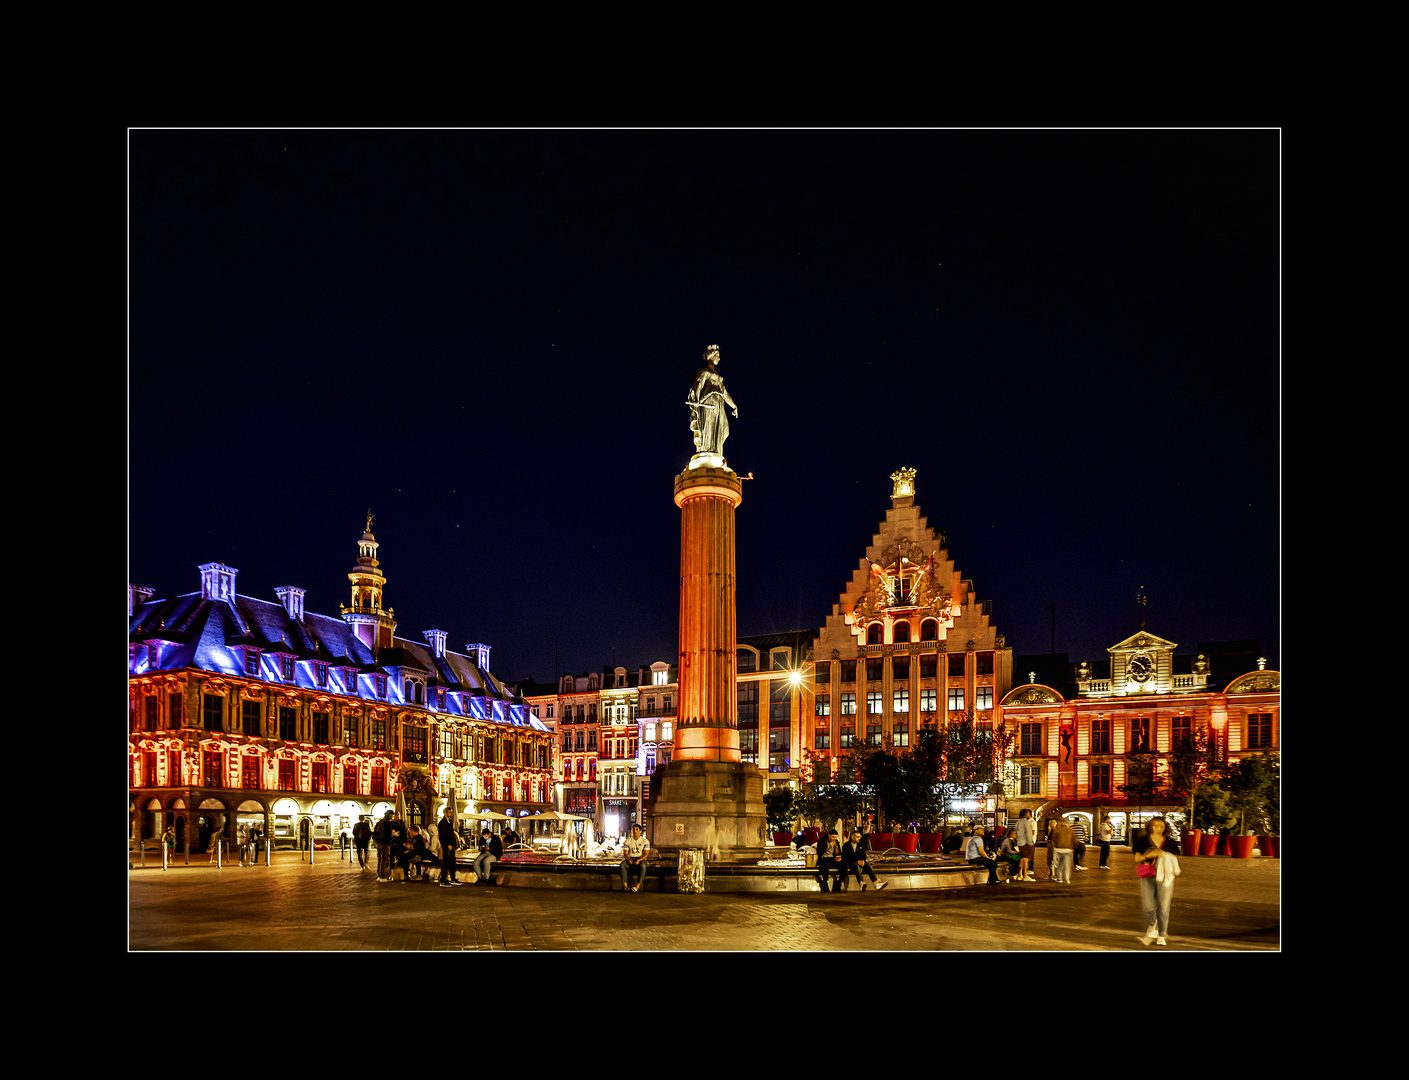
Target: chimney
[137,595]
[292,596]
[480,655]
[218,582]
[436,640]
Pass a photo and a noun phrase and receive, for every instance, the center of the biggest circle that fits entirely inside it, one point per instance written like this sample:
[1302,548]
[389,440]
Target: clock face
[1141,667]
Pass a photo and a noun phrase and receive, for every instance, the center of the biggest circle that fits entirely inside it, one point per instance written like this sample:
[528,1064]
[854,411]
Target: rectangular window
[249,715]
[173,710]
[1259,731]
[929,700]
[983,697]
[956,699]
[1031,739]
[848,737]
[320,777]
[213,770]
[875,665]
[378,735]
[320,728]
[413,744]
[1100,736]
[349,779]
[287,774]
[748,704]
[900,668]
[1139,736]
[286,668]
[349,731]
[873,703]
[378,784]
[780,703]
[152,708]
[1031,780]
[1100,779]
[902,701]
[956,664]
[822,706]
[251,662]
[249,771]
[288,723]
[848,671]
[211,712]
[822,739]
[984,661]
[822,675]
[748,660]
[873,734]
[1183,733]
[848,705]
[900,733]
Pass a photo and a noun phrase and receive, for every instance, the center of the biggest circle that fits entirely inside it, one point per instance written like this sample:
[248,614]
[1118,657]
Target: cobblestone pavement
[1220,904]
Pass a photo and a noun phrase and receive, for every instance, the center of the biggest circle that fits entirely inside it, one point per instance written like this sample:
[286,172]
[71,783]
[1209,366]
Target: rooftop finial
[904,480]
[369,519]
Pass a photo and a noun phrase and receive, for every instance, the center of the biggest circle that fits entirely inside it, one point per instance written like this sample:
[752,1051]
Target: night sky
[487,338]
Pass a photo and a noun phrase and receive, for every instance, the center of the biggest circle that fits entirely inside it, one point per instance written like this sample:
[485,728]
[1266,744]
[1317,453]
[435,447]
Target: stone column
[709,797]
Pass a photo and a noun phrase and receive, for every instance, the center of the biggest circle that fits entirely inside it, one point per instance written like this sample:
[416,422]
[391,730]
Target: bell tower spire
[372,623]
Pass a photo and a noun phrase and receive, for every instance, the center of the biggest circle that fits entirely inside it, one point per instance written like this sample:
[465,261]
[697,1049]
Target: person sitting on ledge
[636,848]
[977,856]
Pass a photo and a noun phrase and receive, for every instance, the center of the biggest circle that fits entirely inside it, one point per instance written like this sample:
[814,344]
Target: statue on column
[707,400]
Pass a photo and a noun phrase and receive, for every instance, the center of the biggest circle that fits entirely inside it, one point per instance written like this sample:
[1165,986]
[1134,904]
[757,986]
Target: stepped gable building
[252,712]
[907,646]
[1101,738]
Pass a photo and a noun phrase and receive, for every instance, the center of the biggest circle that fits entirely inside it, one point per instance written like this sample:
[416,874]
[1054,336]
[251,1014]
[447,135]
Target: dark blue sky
[487,337]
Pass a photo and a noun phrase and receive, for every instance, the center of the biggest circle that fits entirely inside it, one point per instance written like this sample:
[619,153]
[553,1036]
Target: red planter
[782,839]
[930,842]
[906,841]
[878,841]
[1271,845]
[1222,845]
[1208,845]
[810,835]
[1189,841]
[1240,847]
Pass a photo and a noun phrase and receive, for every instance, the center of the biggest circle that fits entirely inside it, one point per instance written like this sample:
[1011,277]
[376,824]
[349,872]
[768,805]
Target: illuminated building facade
[579,698]
[618,759]
[908,646]
[1104,742]
[774,678]
[657,697]
[251,712]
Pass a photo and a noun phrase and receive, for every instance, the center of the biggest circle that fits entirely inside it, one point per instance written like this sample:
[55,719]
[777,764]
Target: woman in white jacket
[1156,865]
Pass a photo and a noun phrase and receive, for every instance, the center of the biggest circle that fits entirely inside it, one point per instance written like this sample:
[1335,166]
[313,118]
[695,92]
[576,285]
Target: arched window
[875,634]
[902,630]
[929,630]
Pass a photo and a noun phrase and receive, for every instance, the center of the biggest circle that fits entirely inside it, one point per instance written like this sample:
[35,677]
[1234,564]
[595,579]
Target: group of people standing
[401,847]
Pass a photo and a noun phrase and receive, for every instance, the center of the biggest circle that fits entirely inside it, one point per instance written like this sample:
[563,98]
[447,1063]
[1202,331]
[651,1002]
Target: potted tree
[778,804]
[1211,813]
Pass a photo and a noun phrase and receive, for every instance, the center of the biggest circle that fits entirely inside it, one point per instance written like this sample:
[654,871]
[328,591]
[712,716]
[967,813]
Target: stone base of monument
[711,804]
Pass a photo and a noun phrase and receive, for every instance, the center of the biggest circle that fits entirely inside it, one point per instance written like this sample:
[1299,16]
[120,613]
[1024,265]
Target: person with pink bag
[1156,867]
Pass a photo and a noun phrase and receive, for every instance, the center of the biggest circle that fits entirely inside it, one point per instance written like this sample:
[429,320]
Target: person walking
[1026,841]
[853,861]
[362,839]
[1061,840]
[445,833]
[1105,838]
[1156,867]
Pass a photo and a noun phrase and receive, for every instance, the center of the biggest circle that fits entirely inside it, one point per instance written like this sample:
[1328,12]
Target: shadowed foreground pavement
[1220,904]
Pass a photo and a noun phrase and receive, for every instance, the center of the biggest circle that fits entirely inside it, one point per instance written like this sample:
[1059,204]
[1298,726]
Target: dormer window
[286,668]
[251,661]
[379,686]
[320,673]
